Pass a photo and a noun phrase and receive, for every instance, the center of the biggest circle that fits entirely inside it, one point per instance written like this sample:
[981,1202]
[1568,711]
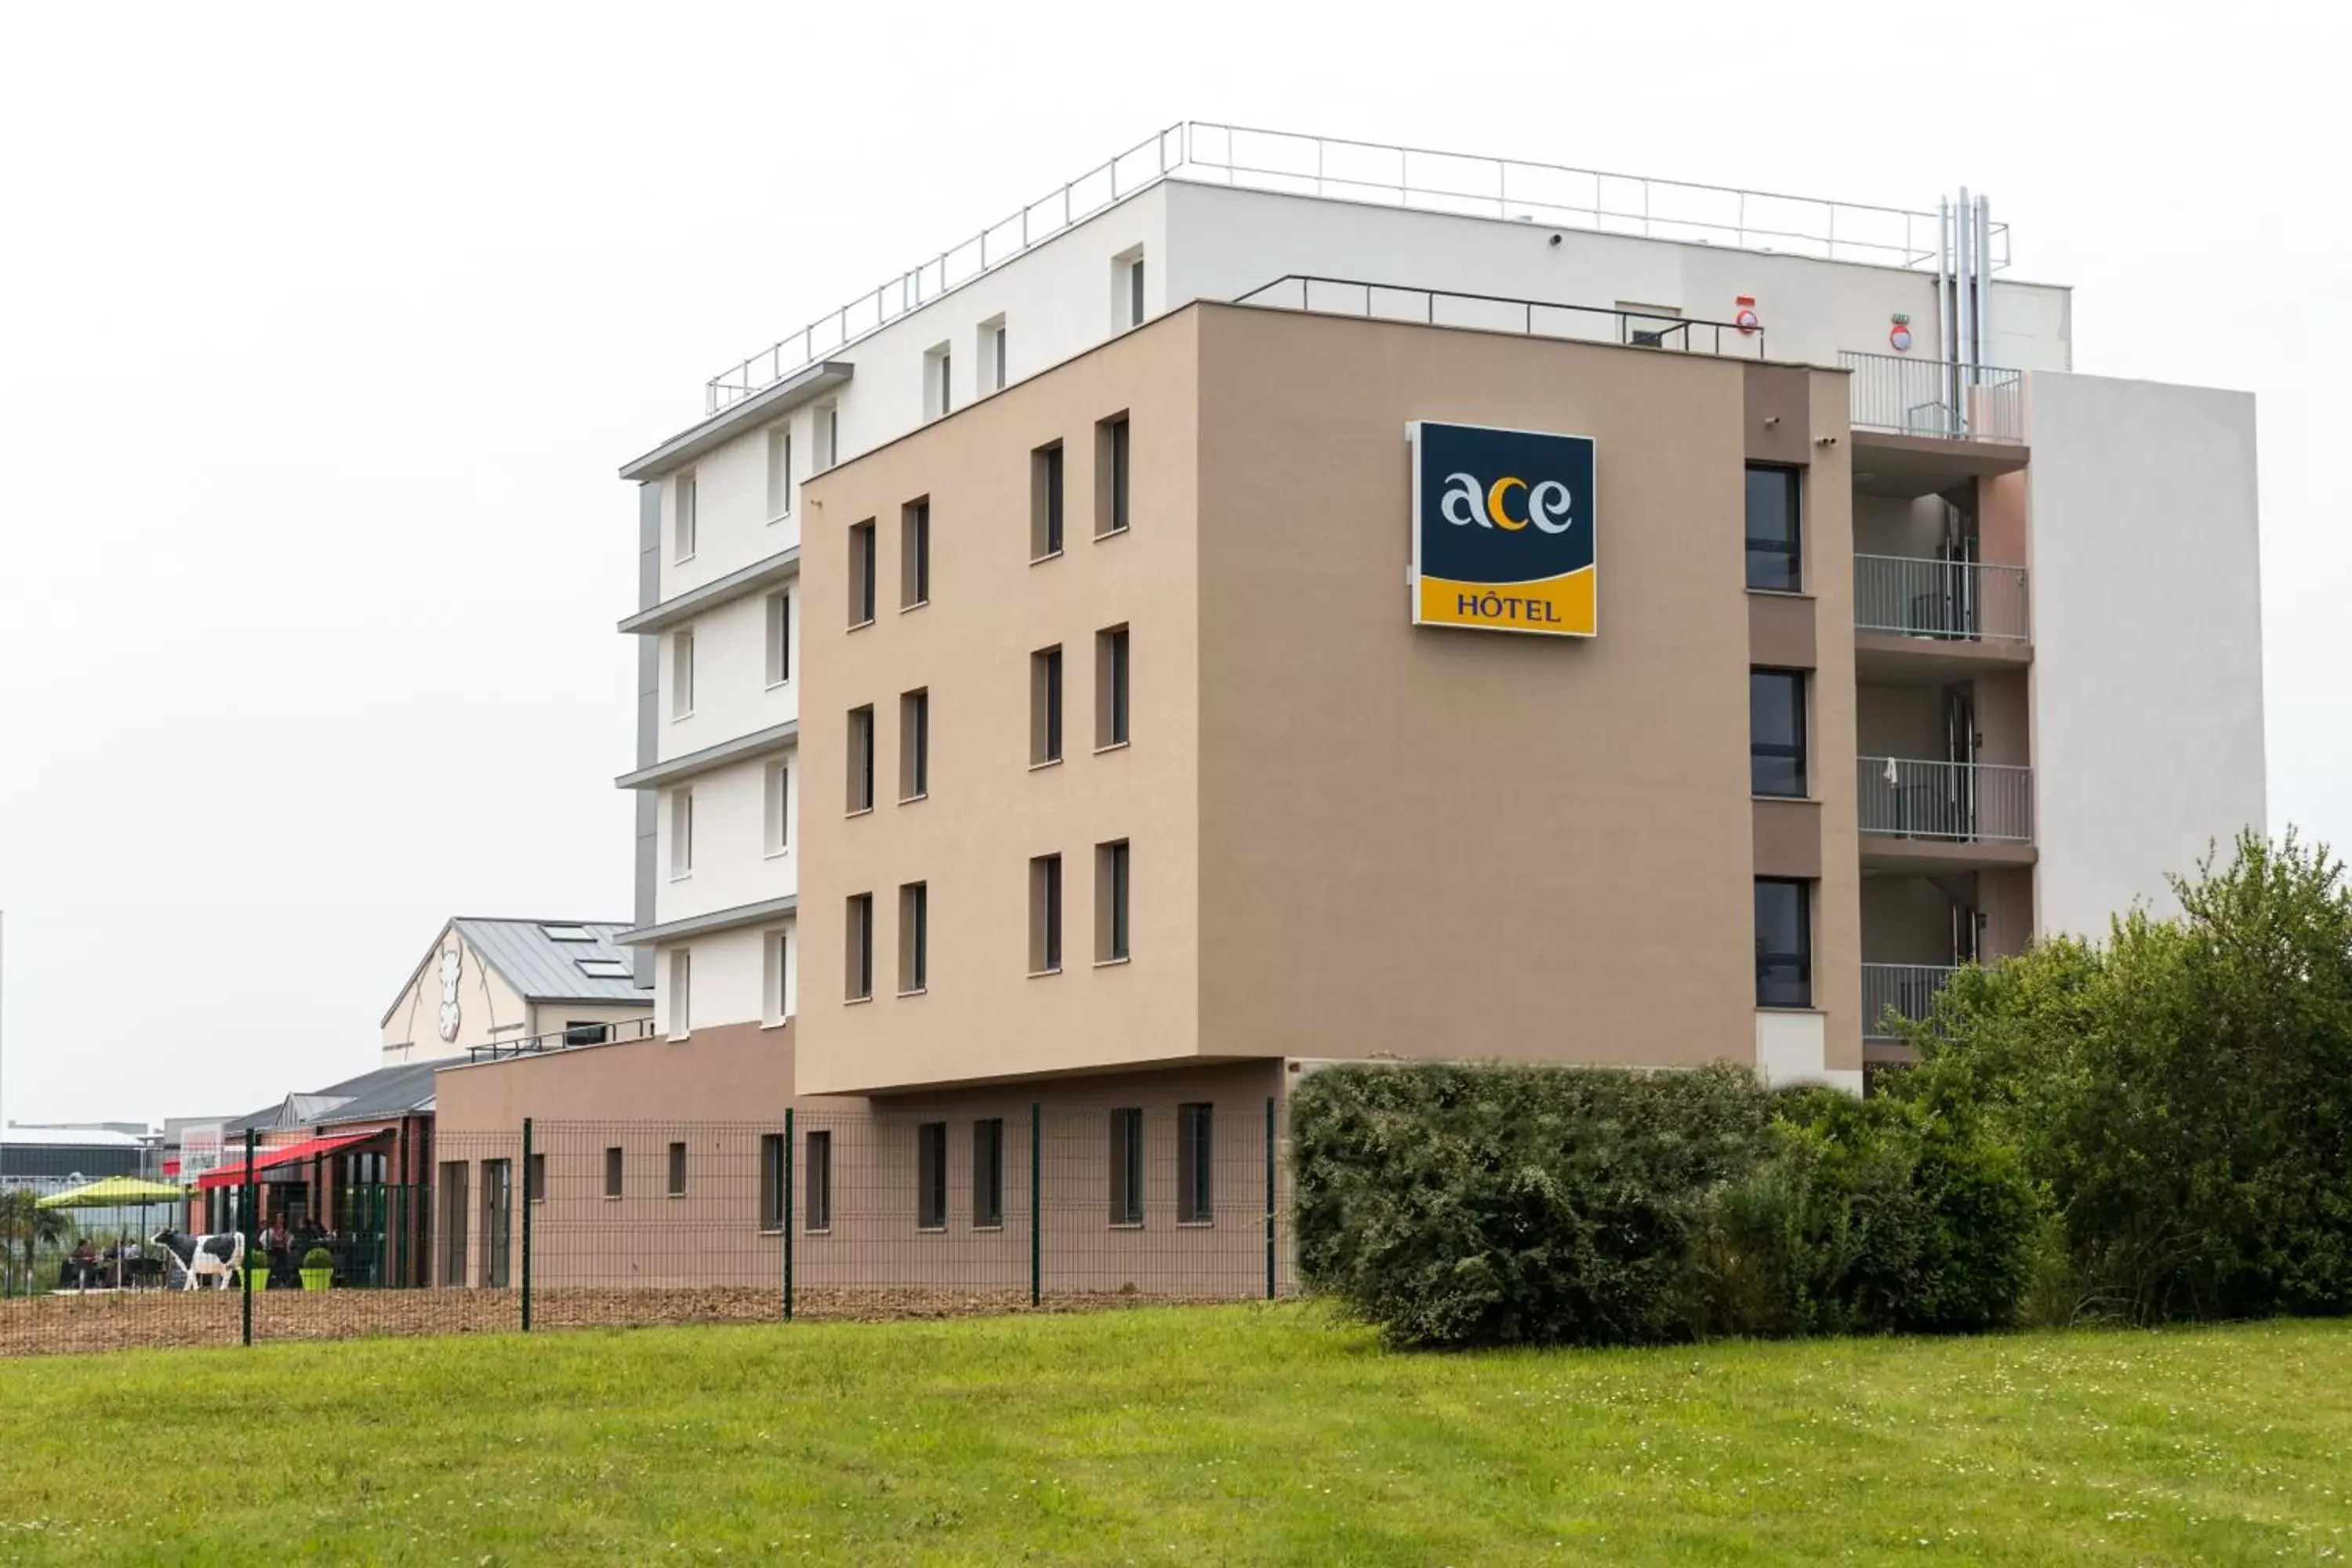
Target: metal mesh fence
[861,1214]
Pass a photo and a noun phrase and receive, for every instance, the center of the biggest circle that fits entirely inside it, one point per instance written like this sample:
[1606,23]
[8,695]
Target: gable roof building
[500,983]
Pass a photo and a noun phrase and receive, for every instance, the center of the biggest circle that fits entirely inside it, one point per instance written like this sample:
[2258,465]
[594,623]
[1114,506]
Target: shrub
[1484,1206]
[318,1257]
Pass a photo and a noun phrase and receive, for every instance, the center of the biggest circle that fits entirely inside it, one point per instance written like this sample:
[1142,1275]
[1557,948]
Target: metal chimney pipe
[1946,353]
[1984,279]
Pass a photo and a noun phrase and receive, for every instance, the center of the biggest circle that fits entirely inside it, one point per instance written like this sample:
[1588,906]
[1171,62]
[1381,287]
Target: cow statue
[213,1258]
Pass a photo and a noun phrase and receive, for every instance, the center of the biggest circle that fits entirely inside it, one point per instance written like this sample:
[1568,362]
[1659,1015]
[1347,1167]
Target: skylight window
[604,968]
[567,933]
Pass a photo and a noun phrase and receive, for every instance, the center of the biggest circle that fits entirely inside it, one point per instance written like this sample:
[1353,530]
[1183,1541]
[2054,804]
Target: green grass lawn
[1206,1435]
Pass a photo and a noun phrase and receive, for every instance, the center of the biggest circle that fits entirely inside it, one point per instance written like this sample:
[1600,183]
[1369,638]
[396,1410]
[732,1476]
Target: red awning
[232,1173]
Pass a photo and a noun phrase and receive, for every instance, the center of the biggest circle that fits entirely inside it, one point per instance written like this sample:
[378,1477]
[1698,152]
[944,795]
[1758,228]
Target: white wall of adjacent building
[2147,675]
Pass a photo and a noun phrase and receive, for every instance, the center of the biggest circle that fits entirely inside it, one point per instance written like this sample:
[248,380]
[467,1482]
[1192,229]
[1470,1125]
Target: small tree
[25,1224]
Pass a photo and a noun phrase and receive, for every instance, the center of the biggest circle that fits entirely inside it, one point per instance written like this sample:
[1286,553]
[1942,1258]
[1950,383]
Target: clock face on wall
[453,961]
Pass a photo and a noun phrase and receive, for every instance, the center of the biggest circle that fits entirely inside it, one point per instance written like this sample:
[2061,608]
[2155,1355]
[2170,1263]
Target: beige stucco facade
[1349,836]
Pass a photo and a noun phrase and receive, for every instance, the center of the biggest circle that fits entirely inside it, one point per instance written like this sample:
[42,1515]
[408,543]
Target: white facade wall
[729,977]
[2147,675]
[731,694]
[732,865]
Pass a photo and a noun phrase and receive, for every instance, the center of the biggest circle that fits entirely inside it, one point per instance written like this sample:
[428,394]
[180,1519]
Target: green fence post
[526,1225]
[1036,1203]
[251,1204]
[1269,1197]
[785,1219]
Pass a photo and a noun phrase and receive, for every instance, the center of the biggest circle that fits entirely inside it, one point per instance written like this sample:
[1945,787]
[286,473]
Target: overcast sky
[322,332]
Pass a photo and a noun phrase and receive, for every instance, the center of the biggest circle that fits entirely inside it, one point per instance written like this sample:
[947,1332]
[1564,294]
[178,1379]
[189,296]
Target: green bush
[318,1257]
[2183,1092]
[1485,1206]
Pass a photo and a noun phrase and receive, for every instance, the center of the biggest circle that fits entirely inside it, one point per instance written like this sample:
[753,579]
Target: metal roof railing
[569,1038]
[1499,313]
[1552,194]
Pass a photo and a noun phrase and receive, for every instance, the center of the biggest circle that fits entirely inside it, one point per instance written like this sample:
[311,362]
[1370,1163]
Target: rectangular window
[1776,732]
[861,573]
[771,1181]
[776,975]
[1110,901]
[1775,559]
[1044,914]
[1195,1151]
[914,938]
[1784,943]
[613,1172]
[915,554]
[939,382]
[931,1176]
[779,471]
[947,382]
[681,994]
[1111,475]
[681,834]
[914,744]
[681,673]
[861,758]
[534,1180]
[777,795]
[578,1033]
[817,1201]
[678,1169]
[1129,270]
[497,1199]
[1044,706]
[988,1173]
[999,369]
[682,517]
[1046,501]
[828,434]
[1127,1167]
[779,638]
[858,948]
[1111,688]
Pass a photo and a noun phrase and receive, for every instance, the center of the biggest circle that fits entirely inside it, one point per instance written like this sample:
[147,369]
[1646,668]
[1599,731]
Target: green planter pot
[317,1278]
[260,1277]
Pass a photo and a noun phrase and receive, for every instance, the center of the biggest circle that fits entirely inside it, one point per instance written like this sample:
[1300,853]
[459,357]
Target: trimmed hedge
[1454,1205]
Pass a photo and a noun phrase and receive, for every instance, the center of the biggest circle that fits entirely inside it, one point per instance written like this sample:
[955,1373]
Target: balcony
[1922,816]
[1921,426]
[1921,620]
[1905,990]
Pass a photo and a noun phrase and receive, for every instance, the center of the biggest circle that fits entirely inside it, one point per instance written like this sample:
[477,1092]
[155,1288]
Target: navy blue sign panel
[1502,529]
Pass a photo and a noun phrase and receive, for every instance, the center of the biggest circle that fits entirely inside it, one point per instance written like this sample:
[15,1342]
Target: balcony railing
[1959,600]
[1498,313]
[564,1039]
[1905,990]
[1927,397]
[1908,797]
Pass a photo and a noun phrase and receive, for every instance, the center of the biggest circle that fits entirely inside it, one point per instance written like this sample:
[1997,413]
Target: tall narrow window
[778,794]
[776,977]
[1044,914]
[681,994]
[681,834]
[1127,1167]
[1110,901]
[534,1179]
[683,521]
[861,573]
[861,758]
[1111,475]
[678,1169]
[998,370]
[1784,943]
[931,1176]
[914,938]
[1045,706]
[779,638]
[914,744]
[858,948]
[829,427]
[1775,555]
[988,1173]
[1134,300]
[1046,501]
[818,1198]
[771,1181]
[915,554]
[947,382]
[779,471]
[1195,1150]
[613,1172]
[681,673]
[1776,732]
[1111,688]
